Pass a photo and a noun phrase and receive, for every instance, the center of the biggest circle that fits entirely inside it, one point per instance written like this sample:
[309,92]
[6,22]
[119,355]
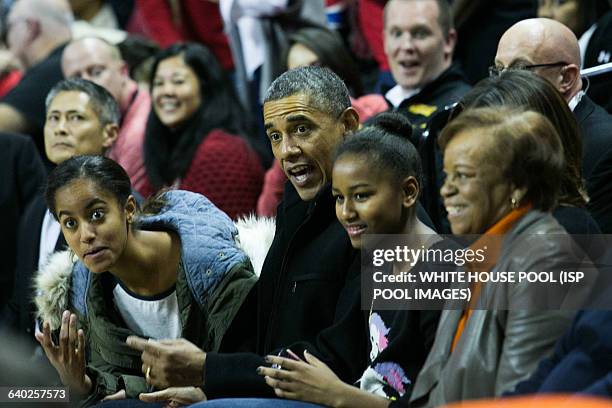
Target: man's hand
[170,363]
[175,396]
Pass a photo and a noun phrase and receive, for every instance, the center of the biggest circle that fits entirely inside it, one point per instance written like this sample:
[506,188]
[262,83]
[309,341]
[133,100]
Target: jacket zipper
[279,286]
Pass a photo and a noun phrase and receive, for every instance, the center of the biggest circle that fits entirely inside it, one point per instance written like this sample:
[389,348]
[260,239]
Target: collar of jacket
[208,246]
[323,199]
[445,80]
[584,109]
[206,260]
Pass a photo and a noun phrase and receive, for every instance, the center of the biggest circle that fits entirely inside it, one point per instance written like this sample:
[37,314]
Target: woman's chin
[459,228]
[98,267]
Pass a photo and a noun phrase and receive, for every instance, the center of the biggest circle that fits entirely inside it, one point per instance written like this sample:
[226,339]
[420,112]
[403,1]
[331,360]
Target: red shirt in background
[371,25]
[8,81]
[200,22]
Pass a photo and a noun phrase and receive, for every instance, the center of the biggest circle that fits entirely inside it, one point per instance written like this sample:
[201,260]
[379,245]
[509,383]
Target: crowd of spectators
[190,188]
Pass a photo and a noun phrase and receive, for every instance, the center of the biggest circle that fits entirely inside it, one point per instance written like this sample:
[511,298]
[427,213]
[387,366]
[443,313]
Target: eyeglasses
[495,70]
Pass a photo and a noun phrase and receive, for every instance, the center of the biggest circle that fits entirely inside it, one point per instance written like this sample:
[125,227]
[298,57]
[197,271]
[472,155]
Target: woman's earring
[514,203]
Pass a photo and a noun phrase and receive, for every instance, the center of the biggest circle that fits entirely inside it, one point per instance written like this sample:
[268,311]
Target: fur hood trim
[52,281]
[255,236]
[52,284]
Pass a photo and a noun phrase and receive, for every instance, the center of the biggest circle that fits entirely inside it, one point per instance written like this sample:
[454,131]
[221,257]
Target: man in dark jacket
[419,43]
[550,49]
[305,297]
[23,176]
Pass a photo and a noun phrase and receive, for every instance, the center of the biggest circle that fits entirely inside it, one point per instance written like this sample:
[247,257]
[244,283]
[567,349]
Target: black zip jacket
[305,299]
[443,91]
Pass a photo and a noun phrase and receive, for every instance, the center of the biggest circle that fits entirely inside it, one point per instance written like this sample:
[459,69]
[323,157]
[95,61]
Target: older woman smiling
[502,178]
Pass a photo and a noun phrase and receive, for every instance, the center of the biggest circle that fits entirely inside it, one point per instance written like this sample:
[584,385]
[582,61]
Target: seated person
[23,176]
[308,269]
[525,90]
[503,172]
[322,47]
[39,234]
[550,49]
[420,39]
[98,61]
[36,32]
[195,138]
[376,183]
[171,270]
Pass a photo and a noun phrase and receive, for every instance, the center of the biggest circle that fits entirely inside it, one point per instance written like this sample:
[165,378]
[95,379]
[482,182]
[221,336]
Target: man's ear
[109,134]
[34,29]
[125,69]
[449,43]
[411,189]
[350,120]
[569,75]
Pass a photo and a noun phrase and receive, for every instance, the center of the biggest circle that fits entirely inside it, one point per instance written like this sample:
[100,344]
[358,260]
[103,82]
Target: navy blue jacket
[582,361]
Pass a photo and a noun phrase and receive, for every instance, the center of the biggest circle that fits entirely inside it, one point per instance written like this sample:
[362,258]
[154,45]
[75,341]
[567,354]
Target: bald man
[550,49]
[98,61]
[36,33]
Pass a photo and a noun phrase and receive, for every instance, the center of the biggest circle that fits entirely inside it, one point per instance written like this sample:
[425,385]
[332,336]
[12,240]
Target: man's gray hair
[100,100]
[326,91]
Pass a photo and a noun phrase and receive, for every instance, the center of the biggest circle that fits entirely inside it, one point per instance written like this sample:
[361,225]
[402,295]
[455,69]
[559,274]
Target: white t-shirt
[155,317]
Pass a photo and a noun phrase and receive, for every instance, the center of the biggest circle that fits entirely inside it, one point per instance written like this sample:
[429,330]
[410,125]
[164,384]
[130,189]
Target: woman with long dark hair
[195,136]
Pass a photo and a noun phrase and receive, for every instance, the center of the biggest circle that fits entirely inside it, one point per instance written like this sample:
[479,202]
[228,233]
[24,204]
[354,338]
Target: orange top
[493,246]
[538,401]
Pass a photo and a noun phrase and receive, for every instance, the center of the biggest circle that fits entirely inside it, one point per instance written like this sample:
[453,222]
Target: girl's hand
[310,380]
[68,357]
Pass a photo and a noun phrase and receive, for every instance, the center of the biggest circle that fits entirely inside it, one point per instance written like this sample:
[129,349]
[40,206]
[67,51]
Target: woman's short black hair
[106,173]
[385,144]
